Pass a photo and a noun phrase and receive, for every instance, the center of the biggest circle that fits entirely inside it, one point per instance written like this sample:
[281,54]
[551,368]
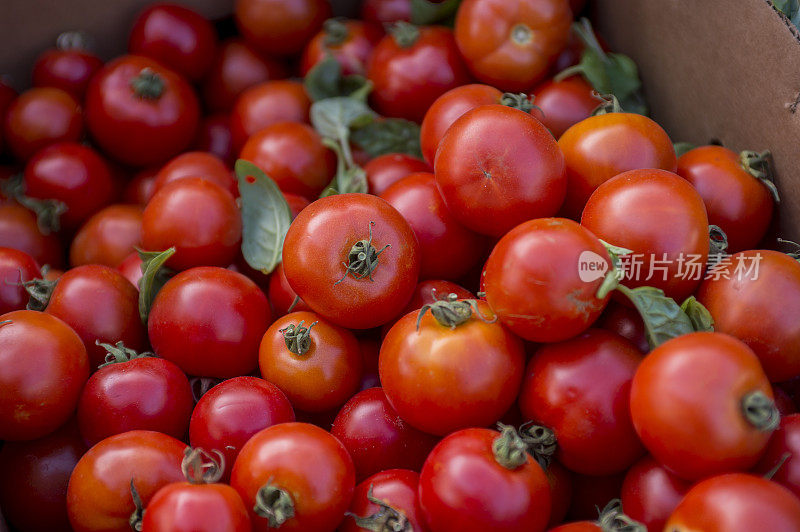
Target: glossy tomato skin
[184,325]
[19,230]
[385,170]
[231,412]
[448,108]
[626,322]
[497,167]
[785,440]
[108,237]
[214,137]
[136,129]
[462,487]
[590,417]
[39,117]
[316,251]
[377,438]
[511,45]
[696,442]
[320,485]
[131,268]
[293,155]
[176,36]
[350,42]
[429,291]
[186,507]
[99,491]
[532,280]
[69,70]
[265,104]
[199,218]
[408,79]
[197,164]
[650,493]
[395,487]
[630,142]
[383,11]
[629,211]
[280,27]
[16,267]
[139,190]
[281,295]
[441,379]
[562,104]
[736,502]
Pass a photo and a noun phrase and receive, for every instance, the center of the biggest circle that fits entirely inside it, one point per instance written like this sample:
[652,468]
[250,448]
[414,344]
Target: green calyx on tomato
[760,411]
[154,276]
[386,519]
[298,337]
[404,34]
[48,211]
[717,241]
[362,259]
[520,101]
[39,291]
[451,312]
[759,165]
[612,519]
[148,85]
[135,520]
[794,254]
[274,504]
[608,104]
[118,354]
[335,31]
[510,450]
[201,467]
[541,442]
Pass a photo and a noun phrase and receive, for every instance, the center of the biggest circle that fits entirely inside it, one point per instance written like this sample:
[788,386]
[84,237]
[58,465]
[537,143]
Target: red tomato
[370,349]
[448,108]
[470,483]
[67,69]
[302,477]
[511,44]
[39,117]
[626,322]
[140,112]
[214,136]
[377,438]
[139,190]
[19,230]
[393,492]
[736,502]
[323,265]
[281,294]
[280,27]
[350,42]
[427,292]
[783,402]
[99,493]
[780,460]
[411,67]
[560,481]
[108,237]
[650,493]
[562,104]
[187,507]
[386,11]
[265,104]
[197,164]
[185,327]
[497,167]
[296,203]
[697,427]
[176,36]
[199,218]
[385,170]
[131,268]
[591,493]
[16,267]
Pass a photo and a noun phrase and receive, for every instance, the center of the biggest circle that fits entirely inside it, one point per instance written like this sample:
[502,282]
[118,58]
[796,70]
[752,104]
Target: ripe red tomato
[562,104]
[214,136]
[131,268]
[108,237]
[350,42]
[280,27]
[176,36]
[43,367]
[197,164]
[139,190]
[698,427]
[298,494]
[385,170]
[16,267]
[67,69]
[185,325]
[560,481]
[511,45]
[19,230]
[650,493]
[377,438]
[372,498]
[199,218]
[386,11]
[411,67]
[629,211]
[323,265]
[140,112]
[99,492]
[735,200]
[736,502]
[533,279]
[281,294]
[735,294]
[780,460]
[188,507]
[629,141]
[41,116]
[293,155]
[590,417]
[626,322]
[470,483]
[265,104]
[497,167]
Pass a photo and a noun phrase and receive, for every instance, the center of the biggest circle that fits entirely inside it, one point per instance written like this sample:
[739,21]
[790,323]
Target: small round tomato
[131,268]
[280,27]
[385,170]
[477,480]
[377,438]
[650,493]
[284,488]
[265,104]
[185,325]
[736,502]
[176,36]
[196,164]
[293,155]
[385,499]
[534,281]
[39,117]
[214,137]
[611,518]
[139,190]
[386,11]
[626,322]
[497,167]
[68,69]
[697,427]
[19,230]
[196,216]
[108,237]
[189,507]
[350,42]
[511,45]
[353,259]
[562,104]
[281,294]
[140,112]
[16,267]
[780,461]
[411,67]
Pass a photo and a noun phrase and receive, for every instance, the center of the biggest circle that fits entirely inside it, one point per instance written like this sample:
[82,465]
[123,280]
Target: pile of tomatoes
[432,269]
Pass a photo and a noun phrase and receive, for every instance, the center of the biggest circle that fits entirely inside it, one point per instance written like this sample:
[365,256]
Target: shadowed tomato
[782,458]
[139,190]
[350,42]
[19,230]
[281,294]
[266,104]
[626,322]
[385,170]
[108,237]
[16,267]
[214,136]
[296,203]
[131,268]
[562,104]
[560,481]
[392,492]
[68,69]
[383,11]
[591,493]
[650,493]
[280,27]
[370,349]
[197,164]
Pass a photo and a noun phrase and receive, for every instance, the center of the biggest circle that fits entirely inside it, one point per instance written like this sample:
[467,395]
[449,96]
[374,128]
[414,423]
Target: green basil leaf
[663,318]
[390,135]
[683,147]
[333,117]
[701,318]
[348,178]
[424,12]
[154,276]
[325,80]
[790,8]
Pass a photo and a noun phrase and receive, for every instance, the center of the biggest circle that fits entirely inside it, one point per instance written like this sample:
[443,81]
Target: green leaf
[325,80]
[663,318]
[348,178]
[683,147]
[154,275]
[424,12]
[390,135]
[333,117]
[701,318]
[790,8]
[265,217]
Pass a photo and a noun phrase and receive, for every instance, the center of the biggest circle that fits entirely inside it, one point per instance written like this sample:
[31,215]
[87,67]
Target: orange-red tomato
[562,104]
[385,170]
[350,42]
[280,27]
[196,164]
[108,237]
[265,104]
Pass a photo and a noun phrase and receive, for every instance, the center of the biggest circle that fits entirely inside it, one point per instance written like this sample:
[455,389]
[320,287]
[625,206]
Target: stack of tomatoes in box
[433,269]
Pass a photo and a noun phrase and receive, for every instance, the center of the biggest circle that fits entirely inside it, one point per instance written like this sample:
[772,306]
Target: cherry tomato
[780,459]
[16,267]
[350,42]
[176,36]
[395,489]
[497,167]
[139,190]
[511,45]
[470,484]
[411,67]
[385,170]
[67,69]
[562,104]
[108,237]
[197,164]
[265,104]
[19,230]
[140,112]
[386,11]
[750,284]
[322,263]
[299,473]
[427,292]
[214,136]
[377,438]
[43,366]
[280,27]
[199,218]
[185,325]
[99,492]
[131,268]
[650,493]
[281,294]
[39,117]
